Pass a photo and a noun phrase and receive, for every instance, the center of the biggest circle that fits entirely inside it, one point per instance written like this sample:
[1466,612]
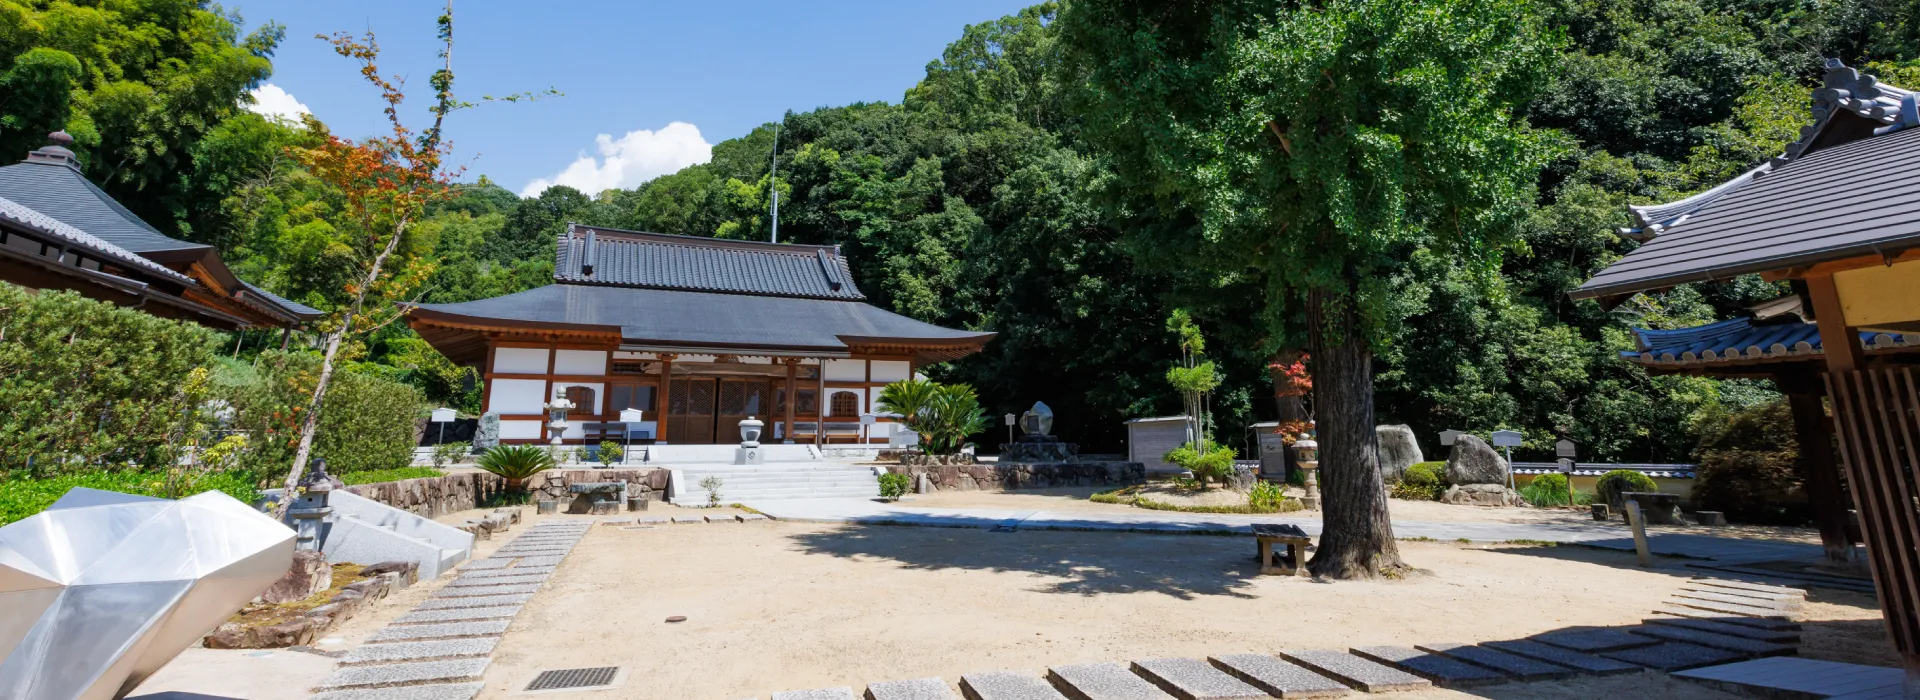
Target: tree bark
[1356,536]
[1819,472]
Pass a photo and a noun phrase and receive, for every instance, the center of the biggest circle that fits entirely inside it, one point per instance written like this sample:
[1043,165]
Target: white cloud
[635,158]
[274,103]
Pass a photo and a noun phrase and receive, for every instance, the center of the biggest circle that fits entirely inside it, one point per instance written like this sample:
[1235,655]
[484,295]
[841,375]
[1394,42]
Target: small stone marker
[445,630]
[1675,656]
[1765,623]
[1586,663]
[1194,679]
[1718,627]
[1443,671]
[1751,647]
[1519,667]
[1600,512]
[1006,685]
[1593,640]
[677,618]
[1638,522]
[1279,678]
[1102,681]
[916,689]
[1354,671]
[841,693]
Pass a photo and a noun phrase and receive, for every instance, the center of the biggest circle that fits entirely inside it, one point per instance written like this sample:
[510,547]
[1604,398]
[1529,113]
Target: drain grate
[573,678]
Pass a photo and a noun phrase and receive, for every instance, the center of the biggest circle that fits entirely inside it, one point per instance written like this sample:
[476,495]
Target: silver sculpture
[1037,420]
[104,588]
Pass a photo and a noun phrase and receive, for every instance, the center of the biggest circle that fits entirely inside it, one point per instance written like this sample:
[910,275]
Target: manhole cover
[573,678]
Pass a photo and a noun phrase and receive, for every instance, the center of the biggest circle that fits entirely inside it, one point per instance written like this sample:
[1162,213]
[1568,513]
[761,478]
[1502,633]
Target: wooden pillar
[1819,471]
[666,395]
[1840,343]
[793,395]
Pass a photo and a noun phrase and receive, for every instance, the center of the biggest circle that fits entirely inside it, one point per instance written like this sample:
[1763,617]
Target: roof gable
[58,190]
[592,255]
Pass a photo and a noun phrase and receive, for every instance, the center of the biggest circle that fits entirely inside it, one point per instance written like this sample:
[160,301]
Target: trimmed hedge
[22,498]
[1424,481]
[1619,481]
[379,475]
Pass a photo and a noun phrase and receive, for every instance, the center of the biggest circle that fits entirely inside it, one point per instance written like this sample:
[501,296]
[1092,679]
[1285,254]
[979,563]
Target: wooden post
[1838,342]
[1818,469]
[793,396]
[1638,521]
[666,396]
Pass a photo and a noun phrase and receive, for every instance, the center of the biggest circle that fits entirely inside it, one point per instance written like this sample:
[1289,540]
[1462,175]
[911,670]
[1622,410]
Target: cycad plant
[952,413]
[515,463]
[909,398]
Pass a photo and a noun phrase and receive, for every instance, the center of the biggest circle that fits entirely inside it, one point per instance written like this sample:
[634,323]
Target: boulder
[407,572]
[1242,478]
[309,574]
[487,436]
[1474,462]
[1480,495]
[1398,450]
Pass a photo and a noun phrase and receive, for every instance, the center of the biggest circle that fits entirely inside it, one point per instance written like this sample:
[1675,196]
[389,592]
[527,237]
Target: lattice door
[1875,413]
[690,406]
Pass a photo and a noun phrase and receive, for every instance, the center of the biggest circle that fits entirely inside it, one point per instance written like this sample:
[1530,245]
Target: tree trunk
[1356,536]
[1819,472]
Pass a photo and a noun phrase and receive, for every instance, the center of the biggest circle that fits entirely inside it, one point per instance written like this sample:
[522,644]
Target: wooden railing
[1877,415]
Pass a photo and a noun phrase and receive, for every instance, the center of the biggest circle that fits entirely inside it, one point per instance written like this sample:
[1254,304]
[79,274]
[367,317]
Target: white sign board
[631,415]
[444,415]
[1563,448]
[1012,418]
[868,419]
[1506,438]
[1448,436]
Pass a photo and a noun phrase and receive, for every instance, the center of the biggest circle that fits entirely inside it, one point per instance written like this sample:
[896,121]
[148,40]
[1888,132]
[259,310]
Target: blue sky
[629,70]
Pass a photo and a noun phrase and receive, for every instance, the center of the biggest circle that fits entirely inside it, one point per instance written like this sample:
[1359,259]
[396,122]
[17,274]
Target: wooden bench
[1292,562]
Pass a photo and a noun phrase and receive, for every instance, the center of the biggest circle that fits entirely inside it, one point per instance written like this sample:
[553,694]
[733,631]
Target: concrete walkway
[872,512]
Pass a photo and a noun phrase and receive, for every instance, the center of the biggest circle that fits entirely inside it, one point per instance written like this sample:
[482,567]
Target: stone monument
[1478,475]
[1398,450]
[1036,443]
[487,436]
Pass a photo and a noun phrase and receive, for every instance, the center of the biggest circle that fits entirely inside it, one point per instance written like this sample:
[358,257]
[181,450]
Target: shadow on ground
[1182,566]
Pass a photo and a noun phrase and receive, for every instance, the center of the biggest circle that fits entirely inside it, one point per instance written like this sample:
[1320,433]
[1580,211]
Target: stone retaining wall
[433,497]
[915,459]
[1007,477]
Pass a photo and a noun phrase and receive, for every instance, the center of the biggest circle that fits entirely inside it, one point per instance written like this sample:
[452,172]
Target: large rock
[309,574]
[1480,495]
[1398,450]
[1474,462]
[487,436]
[1241,478]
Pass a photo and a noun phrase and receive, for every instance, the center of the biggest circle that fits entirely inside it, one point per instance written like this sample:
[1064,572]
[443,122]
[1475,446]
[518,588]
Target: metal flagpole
[773,181]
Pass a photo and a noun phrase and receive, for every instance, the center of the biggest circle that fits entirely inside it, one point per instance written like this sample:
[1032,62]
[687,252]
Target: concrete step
[1744,645]
[1006,685]
[1675,656]
[1356,672]
[1726,628]
[1586,663]
[1279,678]
[1443,671]
[1519,667]
[1103,681]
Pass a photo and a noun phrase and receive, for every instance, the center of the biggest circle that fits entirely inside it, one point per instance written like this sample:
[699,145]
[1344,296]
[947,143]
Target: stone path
[440,650]
[1662,643]
[1792,677]
[867,511]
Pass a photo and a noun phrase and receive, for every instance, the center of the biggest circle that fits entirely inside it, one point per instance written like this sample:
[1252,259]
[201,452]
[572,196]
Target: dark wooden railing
[1877,415]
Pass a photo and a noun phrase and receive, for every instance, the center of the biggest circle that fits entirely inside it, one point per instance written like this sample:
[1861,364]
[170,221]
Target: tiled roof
[1836,193]
[1667,471]
[32,219]
[293,307]
[58,190]
[1740,339]
[588,255]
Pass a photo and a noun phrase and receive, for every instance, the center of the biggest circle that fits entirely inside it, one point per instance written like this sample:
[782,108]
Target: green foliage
[1214,463]
[610,452]
[366,424]
[21,497]
[712,486]
[952,415]
[1619,481]
[1424,481]
[893,485]
[451,453]
[912,399]
[1552,490]
[383,475]
[515,463]
[1265,496]
[1747,466]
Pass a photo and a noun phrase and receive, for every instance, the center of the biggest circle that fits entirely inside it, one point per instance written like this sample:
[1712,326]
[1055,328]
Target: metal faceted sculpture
[104,588]
[1037,420]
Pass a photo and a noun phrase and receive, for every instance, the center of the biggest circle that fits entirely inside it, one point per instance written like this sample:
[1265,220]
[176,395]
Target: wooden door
[690,405]
[740,398]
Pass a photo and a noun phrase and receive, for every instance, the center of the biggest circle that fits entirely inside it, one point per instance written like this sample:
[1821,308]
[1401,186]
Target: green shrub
[515,463]
[1265,495]
[451,453]
[1215,463]
[367,424]
[1747,467]
[610,452]
[1424,481]
[23,497]
[951,415]
[1551,490]
[893,485]
[1619,481]
[377,476]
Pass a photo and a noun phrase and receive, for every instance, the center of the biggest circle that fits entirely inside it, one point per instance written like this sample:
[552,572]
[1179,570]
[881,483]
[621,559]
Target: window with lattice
[844,404]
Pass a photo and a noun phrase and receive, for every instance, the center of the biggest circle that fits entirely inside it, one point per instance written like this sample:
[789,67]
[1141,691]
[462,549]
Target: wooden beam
[1806,398]
[1839,343]
[1832,266]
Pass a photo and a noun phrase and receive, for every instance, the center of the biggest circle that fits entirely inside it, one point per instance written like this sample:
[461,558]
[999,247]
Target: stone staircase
[365,531]
[742,484]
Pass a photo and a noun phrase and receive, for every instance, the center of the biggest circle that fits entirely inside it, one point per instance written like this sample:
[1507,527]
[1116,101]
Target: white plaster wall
[521,430]
[846,370]
[580,362]
[891,370]
[517,396]
[873,399]
[520,360]
[599,394]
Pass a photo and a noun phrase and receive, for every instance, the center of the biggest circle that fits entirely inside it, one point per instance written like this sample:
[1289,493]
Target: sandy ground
[781,606]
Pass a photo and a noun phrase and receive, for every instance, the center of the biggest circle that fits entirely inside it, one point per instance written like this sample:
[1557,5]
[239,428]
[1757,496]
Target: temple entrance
[708,410]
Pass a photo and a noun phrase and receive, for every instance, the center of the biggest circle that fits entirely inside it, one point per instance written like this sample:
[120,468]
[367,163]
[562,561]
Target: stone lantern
[750,451]
[557,416]
[310,508]
[1308,451]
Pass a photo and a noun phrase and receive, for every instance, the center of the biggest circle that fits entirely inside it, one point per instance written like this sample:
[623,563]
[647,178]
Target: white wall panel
[846,370]
[890,370]
[580,362]
[520,396]
[521,430]
[520,360]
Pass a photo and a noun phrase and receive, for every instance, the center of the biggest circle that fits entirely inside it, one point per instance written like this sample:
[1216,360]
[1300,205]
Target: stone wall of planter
[1008,477]
[433,497]
[915,459]
[552,485]
[382,580]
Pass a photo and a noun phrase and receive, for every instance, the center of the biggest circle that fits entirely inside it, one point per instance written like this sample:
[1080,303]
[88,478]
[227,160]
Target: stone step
[1594,640]
[444,691]
[1356,672]
[402,652]
[443,630]
[1195,679]
[497,612]
[1781,605]
[393,675]
[1790,602]
[1750,647]
[477,602]
[1519,667]
[1764,623]
[1732,585]
[1443,671]
[1006,685]
[1716,626]
[1102,681]
[1584,662]
[915,689]
[1796,579]
[475,591]
[841,693]
[521,580]
[1715,606]
[1675,656]
[1278,678]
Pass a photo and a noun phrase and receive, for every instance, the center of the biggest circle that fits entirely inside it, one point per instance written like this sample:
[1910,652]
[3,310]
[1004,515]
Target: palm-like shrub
[910,398]
[515,463]
[951,414]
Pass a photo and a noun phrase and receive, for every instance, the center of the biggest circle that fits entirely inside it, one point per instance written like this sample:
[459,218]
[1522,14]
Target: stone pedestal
[1039,449]
[1600,511]
[602,498]
[547,507]
[749,455]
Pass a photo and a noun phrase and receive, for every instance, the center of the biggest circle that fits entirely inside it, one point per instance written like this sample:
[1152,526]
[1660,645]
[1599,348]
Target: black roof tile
[641,260]
[60,191]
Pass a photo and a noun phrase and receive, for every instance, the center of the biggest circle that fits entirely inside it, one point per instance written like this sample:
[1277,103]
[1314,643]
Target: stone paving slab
[521,580]
[1775,636]
[539,561]
[1750,647]
[1354,671]
[1738,599]
[1675,656]
[445,691]
[1006,685]
[455,671]
[1102,681]
[1749,586]
[1594,640]
[653,520]
[721,518]
[1764,623]
[444,630]
[477,564]
[1792,600]
[1443,671]
[617,521]
[1729,608]
[1586,663]
[1785,676]
[419,651]
[915,689]
[476,591]
[1519,667]
[501,573]
[1195,679]
[474,602]
[532,552]
[841,693]
[1279,678]
[688,519]
[751,517]
[498,612]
